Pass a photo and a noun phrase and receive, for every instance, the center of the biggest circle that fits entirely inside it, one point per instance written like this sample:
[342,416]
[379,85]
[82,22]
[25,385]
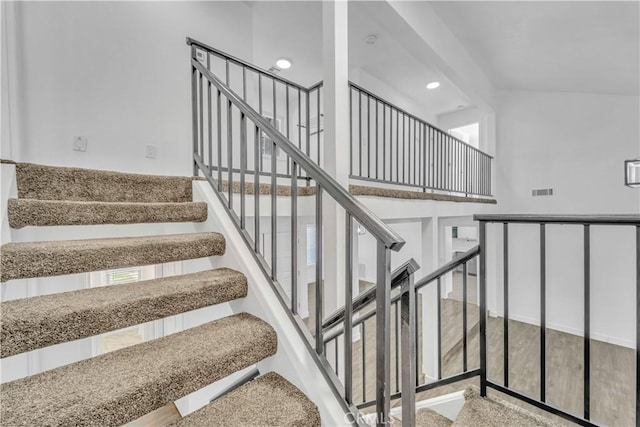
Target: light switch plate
[79,143]
[151,151]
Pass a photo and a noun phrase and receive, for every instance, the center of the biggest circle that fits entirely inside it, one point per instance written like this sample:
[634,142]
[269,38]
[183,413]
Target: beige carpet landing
[493,412]
[123,385]
[267,401]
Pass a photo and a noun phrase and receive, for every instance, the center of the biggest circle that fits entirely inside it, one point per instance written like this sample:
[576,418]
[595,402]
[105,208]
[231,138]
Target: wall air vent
[542,192]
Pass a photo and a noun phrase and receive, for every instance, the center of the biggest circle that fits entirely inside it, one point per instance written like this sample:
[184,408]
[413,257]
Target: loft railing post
[483,308]
[408,354]
[383,334]
[637,326]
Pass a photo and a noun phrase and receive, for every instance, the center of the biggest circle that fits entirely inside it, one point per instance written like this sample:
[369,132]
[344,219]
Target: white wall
[117,73]
[575,144]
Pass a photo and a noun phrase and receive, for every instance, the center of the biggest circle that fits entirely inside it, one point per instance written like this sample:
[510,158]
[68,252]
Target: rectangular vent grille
[542,192]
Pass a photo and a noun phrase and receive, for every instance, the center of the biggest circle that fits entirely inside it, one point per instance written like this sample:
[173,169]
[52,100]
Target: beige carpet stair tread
[63,183]
[34,212]
[53,258]
[121,386]
[269,400]
[494,412]
[31,323]
[426,417]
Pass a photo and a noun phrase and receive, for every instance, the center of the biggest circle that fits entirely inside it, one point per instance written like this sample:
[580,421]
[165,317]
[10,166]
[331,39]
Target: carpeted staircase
[123,385]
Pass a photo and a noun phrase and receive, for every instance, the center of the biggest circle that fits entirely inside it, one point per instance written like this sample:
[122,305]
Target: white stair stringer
[292,359]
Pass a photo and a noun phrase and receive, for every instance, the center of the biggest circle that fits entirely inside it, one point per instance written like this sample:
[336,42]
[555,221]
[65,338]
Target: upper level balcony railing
[389,145]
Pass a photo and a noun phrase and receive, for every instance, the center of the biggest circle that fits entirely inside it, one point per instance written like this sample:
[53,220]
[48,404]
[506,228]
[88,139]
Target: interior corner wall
[575,144]
[117,73]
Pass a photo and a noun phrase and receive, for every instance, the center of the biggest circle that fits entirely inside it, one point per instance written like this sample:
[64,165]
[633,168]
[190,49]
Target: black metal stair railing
[407,333]
[230,132]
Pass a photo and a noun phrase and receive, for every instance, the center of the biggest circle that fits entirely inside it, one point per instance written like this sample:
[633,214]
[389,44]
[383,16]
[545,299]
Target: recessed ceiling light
[433,85]
[371,39]
[283,63]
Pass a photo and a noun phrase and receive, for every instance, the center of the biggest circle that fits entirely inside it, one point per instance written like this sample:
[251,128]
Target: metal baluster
[299,119]
[439,322]
[256,187]
[397,146]
[261,166]
[274,212]
[219,132]
[543,315]
[364,373]
[384,142]
[397,343]
[360,133]
[409,367]
[483,308]
[294,237]
[227,78]
[408,155]
[637,323]
[505,291]
[319,284]
[587,326]
[350,131]
[230,153]
[464,317]
[209,114]
[201,116]
[335,348]
[194,112]
[404,146]
[243,167]
[318,129]
[368,136]
[288,124]
[348,312]
[377,149]
[416,155]
[383,307]
[244,83]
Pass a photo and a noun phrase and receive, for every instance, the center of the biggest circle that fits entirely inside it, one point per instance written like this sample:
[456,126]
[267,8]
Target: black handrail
[397,277]
[450,266]
[607,219]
